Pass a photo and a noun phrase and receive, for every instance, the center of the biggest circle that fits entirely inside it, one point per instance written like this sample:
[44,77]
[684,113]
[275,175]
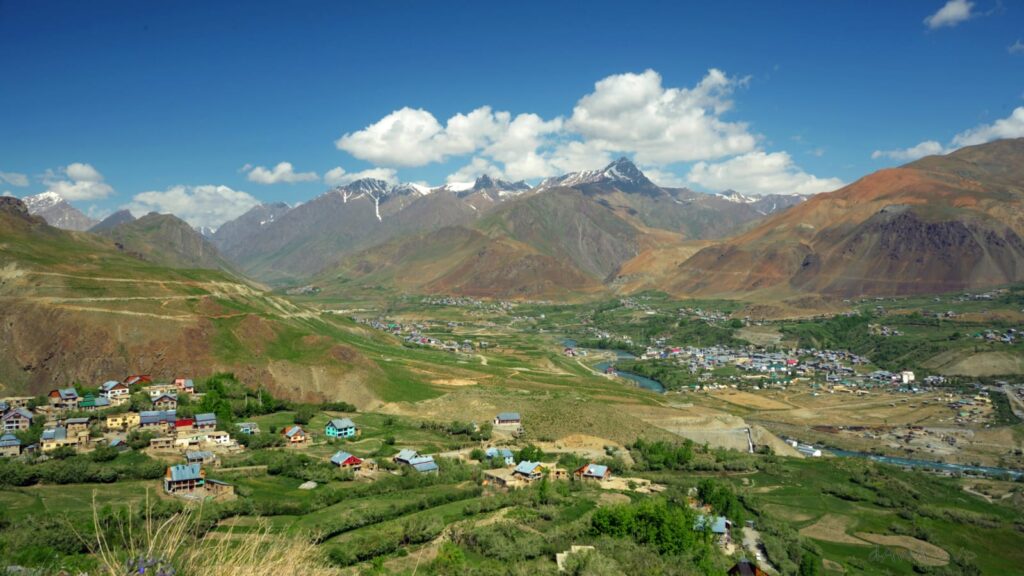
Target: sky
[205,109]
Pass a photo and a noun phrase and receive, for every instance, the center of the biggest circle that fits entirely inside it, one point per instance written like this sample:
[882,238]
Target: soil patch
[923,552]
[831,528]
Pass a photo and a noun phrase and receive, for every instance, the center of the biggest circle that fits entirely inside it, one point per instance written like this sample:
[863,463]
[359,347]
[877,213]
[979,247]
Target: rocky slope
[940,224]
[58,212]
[165,240]
[73,308]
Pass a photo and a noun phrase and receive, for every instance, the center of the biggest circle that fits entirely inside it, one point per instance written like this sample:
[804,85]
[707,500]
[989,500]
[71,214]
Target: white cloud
[951,14]
[1010,127]
[664,178]
[759,173]
[283,172]
[1016,48]
[207,205]
[77,181]
[339,177]
[409,137]
[926,148]
[477,167]
[625,114]
[14,178]
[635,113]
[7,193]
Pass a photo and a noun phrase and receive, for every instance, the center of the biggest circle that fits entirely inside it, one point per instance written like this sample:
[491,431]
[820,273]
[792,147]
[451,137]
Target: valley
[441,315]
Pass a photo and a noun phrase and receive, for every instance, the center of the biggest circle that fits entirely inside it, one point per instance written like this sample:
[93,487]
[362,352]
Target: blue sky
[172,105]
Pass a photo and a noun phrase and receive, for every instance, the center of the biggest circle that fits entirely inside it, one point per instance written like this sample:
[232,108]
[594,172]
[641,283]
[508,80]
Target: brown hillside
[940,224]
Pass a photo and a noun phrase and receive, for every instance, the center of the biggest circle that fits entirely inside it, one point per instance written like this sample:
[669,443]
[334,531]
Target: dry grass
[924,552]
[168,546]
[831,528]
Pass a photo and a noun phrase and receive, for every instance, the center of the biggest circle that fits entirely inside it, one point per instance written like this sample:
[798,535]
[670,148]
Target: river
[641,381]
[910,462]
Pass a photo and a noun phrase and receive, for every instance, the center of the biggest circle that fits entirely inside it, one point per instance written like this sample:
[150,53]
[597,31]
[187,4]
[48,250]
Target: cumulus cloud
[6,193]
[635,113]
[926,148]
[339,177]
[631,114]
[1010,127]
[951,14]
[14,178]
[1016,48]
[409,137]
[77,181]
[207,205]
[283,172]
[760,173]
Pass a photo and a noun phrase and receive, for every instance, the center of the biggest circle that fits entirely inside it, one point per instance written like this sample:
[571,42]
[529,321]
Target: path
[752,543]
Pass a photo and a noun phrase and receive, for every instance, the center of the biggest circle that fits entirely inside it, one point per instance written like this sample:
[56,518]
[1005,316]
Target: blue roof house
[341,428]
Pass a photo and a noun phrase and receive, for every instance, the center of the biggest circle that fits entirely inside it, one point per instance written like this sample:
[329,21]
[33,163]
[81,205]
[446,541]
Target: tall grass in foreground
[173,546]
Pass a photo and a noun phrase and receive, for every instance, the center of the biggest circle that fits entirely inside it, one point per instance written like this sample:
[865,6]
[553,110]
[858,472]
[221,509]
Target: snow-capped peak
[619,172]
[42,201]
[734,196]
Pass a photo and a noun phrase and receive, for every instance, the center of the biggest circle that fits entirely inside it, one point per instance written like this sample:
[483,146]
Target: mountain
[297,243]
[165,240]
[232,235]
[74,308]
[58,212]
[485,192]
[940,224]
[620,175]
[115,219]
[697,216]
[577,234]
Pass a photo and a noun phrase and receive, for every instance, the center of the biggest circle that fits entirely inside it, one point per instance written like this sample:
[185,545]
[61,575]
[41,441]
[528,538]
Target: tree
[809,565]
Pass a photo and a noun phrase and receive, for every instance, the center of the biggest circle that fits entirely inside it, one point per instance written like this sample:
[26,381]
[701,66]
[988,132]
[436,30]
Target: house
[529,471]
[508,419]
[53,438]
[16,419]
[77,425]
[89,403]
[746,568]
[343,459]
[218,438]
[503,454]
[156,390]
[206,421]
[9,445]
[162,443]
[184,425]
[165,402]
[502,478]
[424,464]
[15,402]
[158,420]
[341,428]
[593,472]
[295,434]
[185,385]
[138,379]
[116,392]
[184,478]
[405,456]
[64,399]
[248,428]
[123,421]
[219,488]
[719,526]
[202,457]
